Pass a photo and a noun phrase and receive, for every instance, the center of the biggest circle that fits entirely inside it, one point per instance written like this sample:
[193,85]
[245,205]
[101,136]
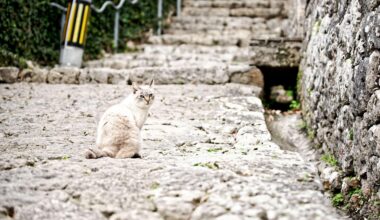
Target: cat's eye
[142,96]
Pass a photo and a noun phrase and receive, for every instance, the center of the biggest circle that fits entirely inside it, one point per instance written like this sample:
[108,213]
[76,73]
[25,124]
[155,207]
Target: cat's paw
[90,154]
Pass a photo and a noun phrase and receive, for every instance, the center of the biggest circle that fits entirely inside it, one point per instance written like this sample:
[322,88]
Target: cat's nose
[147,100]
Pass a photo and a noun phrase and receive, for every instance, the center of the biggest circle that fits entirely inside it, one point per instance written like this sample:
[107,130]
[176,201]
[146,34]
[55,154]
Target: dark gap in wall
[275,76]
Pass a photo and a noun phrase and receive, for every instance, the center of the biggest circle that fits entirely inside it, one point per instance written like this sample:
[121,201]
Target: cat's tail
[93,153]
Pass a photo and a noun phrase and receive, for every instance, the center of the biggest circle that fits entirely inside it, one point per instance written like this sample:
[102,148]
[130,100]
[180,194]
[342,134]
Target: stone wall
[340,89]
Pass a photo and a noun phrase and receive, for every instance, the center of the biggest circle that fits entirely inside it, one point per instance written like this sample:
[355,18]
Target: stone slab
[276,52]
[207,155]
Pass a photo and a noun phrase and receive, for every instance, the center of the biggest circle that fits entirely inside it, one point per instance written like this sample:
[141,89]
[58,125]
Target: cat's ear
[151,83]
[135,87]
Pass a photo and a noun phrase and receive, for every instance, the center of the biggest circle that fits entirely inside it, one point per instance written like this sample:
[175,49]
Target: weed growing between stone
[329,159]
[347,192]
[337,200]
[215,149]
[295,105]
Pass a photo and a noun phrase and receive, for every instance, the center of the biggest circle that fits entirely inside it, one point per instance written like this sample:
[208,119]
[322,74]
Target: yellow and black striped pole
[74,32]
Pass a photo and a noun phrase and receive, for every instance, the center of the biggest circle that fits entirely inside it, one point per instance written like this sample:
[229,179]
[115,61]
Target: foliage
[329,159]
[295,105]
[351,135]
[30,29]
[356,191]
[337,200]
[9,58]
[289,93]
[215,149]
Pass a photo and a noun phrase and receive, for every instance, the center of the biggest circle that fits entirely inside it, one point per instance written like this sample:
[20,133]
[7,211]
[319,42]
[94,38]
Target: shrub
[30,29]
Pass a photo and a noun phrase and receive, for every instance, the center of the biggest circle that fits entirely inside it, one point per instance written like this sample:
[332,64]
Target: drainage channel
[283,115]
[284,119]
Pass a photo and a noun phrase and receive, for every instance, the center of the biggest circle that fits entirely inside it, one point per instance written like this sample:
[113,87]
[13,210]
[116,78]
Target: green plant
[65,157]
[329,159]
[215,149]
[154,185]
[31,29]
[351,134]
[356,191]
[337,200]
[289,93]
[295,105]
[346,207]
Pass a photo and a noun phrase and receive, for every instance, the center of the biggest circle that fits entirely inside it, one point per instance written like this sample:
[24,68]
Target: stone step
[280,52]
[202,39]
[216,22]
[228,4]
[258,31]
[151,60]
[209,73]
[257,27]
[231,33]
[181,55]
[231,4]
[121,64]
[239,54]
[237,12]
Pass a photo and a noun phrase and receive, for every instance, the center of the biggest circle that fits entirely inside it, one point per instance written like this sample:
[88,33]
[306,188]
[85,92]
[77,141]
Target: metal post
[116,30]
[159,16]
[179,4]
[63,19]
[74,28]
[74,33]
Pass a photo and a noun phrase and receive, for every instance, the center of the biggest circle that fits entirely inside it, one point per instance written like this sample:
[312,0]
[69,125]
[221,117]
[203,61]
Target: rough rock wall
[340,87]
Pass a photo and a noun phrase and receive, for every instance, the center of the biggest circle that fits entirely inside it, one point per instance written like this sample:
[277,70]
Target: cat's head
[143,95]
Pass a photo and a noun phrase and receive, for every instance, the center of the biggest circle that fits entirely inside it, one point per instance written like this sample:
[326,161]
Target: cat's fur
[118,133]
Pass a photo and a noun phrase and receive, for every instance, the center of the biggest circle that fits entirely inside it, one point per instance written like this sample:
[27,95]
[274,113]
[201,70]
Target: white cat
[119,129]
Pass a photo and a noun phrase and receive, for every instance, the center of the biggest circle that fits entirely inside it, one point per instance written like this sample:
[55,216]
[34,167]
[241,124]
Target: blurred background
[30,29]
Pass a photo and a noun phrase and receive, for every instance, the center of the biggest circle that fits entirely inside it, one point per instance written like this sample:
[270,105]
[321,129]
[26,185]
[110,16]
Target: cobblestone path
[207,152]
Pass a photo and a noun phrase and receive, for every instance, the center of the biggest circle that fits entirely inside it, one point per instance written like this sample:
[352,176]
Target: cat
[118,133]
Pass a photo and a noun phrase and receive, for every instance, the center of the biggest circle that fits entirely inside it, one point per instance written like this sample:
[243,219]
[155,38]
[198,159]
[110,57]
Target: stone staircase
[214,41]
[211,38]
[213,35]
